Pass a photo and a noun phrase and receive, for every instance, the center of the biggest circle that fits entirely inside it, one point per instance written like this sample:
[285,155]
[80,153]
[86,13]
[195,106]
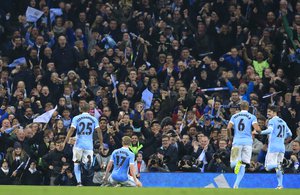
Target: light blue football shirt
[242,124]
[278,131]
[122,158]
[85,125]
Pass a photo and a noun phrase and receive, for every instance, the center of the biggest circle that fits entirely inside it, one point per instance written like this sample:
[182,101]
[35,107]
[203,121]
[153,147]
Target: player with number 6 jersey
[85,125]
[241,151]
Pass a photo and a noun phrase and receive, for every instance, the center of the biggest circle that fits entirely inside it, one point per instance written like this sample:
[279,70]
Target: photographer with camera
[291,161]
[187,164]
[156,164]
[168,153]
[65,177]
[220,162]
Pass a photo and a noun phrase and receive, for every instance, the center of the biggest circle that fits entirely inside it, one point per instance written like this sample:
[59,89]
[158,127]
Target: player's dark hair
[273,108]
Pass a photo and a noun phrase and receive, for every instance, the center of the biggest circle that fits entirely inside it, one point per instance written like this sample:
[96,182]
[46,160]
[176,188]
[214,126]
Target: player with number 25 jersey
[85,125]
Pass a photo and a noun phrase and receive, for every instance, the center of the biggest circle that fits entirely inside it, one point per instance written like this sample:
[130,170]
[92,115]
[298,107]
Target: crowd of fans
[108,52]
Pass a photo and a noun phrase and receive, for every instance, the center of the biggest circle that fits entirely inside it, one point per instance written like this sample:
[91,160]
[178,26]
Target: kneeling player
[123,160]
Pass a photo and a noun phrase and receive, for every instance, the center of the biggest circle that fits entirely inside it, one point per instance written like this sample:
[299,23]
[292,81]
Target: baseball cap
[105,146]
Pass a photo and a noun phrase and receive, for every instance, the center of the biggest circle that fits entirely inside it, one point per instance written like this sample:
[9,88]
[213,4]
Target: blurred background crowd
[167,73]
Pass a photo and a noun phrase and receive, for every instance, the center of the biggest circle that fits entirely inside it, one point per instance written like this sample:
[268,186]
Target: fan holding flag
[32,14]
[45,118]
[55,12]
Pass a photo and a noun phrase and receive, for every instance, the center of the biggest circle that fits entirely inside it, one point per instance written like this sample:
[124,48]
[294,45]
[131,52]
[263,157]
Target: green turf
[47,190]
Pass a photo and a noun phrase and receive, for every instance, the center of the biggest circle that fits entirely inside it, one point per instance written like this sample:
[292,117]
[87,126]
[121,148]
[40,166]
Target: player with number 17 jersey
[85,124]
[121,159]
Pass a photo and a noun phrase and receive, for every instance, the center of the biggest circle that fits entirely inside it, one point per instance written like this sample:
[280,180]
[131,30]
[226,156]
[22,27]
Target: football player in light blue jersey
[241,150]
[85,125]
[123,160]
[278,131]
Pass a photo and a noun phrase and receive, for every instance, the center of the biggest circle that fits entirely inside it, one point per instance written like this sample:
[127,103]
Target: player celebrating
[278,131]
[122,159]
[85,124]
[242,142]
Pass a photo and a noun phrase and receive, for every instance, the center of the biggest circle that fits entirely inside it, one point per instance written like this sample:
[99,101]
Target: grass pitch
[56,190]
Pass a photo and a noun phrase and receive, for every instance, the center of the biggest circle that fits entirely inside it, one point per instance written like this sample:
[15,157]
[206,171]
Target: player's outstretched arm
[264,132]
[267,131]
[132,172]
[70,133]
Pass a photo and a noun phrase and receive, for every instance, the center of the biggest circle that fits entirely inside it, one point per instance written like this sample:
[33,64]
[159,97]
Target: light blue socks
[77,172]
[279,176]
[240,176]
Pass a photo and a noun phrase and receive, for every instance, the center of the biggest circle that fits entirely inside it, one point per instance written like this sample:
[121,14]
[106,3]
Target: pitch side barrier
[217,180]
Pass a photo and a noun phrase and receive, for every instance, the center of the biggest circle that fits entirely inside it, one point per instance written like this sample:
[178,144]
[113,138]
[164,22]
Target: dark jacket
[64,180]
[171,157]
[54,158]
[32,178]
[5,179]
[65,59]
[152,142]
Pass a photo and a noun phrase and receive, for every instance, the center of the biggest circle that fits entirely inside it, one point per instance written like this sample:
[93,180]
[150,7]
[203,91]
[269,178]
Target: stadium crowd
[143,66]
